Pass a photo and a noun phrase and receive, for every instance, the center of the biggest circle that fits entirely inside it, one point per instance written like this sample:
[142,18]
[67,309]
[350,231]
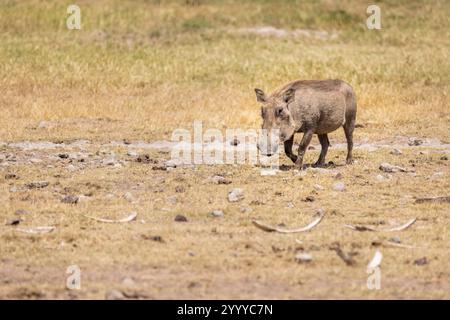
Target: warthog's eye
[279,111]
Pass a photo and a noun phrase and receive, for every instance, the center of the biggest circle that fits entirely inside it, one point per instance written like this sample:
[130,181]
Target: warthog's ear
[289,95]
[260,95]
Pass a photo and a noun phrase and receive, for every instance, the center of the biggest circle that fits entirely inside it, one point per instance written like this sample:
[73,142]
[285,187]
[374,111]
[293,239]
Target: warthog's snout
[268,143]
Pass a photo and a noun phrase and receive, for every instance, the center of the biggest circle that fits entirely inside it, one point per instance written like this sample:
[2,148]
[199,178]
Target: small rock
[290,205]
[43,125]
[395,240]
[172,163]
[37,184]
[129,197]
[444,158]
[382,178]
[235,195]
[128,281]
[172,200]
[114,295]
[339,186]
[217,213]
[396,152]
[21,212]
[421,261]
[154,238]
[70,199]
[145,158]
[386,167]
[11,176]
[71,168]
[303,257]
[338,176]
[133,154]
[35,160]
[220,180]
[415,142]
[180,218]
[14,222]
[318,187]
[310,199]
[179,189]
[245,209]
[436,175]
[109,162]
[63,155]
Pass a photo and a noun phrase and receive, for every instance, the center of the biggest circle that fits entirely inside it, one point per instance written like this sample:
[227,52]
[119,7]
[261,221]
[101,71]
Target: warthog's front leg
[302,148]
[288,149]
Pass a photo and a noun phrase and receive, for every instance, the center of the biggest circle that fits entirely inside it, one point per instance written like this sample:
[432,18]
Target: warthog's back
[323,103]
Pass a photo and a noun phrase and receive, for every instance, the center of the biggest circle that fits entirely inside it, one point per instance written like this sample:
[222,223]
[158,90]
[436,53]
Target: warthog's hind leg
[325,143]
[348,129]
[288,149]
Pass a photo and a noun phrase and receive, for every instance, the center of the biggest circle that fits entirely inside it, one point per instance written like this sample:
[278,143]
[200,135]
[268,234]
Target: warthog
[308,106]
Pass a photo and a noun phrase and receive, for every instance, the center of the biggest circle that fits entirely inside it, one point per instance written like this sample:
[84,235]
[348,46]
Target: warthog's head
[278,124]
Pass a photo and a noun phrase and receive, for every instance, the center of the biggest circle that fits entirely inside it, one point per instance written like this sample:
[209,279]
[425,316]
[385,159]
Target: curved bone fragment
[376,260]
[270,228]
[129,218]
[36,230]
[366,228]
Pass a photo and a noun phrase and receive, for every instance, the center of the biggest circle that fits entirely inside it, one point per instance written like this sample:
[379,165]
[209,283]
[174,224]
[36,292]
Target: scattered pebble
[180,218]
[172,200]
[303,257]
[382,178]
[43,124]
[396,152]
[415,142]
[114,295]
[318,187]
[35,160]
[220,180]
[37,184]
[235,195]
[71,168]
[179,189]
[129,197]
[143,158]
[436,175]
[386,167]
[339,186]
[245,209]
[11,176]
[217,213]
[128,281]
[133,154]
[70,199]
[21,212]
[14,222]
[395,240]
[310,199]
[421,261]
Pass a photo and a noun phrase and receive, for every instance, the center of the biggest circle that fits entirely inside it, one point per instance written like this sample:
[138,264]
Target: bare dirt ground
[86,116]
[58,183]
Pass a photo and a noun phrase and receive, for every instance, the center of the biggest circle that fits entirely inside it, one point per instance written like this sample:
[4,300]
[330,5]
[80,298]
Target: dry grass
[138,70]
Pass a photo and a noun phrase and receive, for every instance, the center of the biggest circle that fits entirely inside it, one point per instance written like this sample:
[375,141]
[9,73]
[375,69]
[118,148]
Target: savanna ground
[137,70]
